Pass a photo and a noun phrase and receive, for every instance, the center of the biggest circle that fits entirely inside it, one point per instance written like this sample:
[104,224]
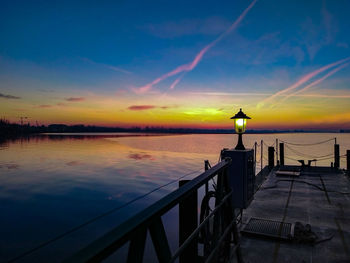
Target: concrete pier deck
[319,197]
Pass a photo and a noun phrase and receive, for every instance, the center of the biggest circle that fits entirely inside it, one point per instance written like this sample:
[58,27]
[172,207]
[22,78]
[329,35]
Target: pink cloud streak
[316,82]
[191,65]
[302,80]
[141,107]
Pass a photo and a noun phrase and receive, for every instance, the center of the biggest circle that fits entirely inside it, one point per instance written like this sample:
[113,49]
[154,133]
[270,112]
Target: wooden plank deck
[319,197]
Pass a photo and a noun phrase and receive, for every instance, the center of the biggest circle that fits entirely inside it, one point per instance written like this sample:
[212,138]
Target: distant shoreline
[10,130]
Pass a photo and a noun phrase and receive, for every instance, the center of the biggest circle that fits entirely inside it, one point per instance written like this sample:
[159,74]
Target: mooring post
[277,162]
[336,156]
[281,153]
[188,218]
[348,161]
[261,154]
[255,147]
[271,151]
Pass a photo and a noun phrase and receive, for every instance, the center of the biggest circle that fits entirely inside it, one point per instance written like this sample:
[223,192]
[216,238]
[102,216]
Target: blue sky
[54,50]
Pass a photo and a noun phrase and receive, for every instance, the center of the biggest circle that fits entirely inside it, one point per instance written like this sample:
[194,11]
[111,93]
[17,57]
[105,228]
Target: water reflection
[9,166]
[141,156]
[62,181]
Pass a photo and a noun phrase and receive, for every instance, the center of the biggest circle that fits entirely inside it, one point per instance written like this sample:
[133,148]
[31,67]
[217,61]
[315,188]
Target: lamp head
[240,120]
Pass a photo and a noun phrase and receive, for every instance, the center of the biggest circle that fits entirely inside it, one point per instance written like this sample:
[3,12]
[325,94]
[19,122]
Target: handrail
[115,238]
[198,229]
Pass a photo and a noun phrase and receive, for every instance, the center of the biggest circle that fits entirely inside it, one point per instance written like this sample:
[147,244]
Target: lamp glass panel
[240,125]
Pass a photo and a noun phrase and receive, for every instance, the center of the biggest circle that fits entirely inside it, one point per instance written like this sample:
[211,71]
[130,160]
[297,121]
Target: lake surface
[51,183]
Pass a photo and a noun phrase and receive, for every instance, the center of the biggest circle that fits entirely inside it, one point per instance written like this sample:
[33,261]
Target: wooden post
[188,220]
[348,161]
[336,156]
[261,154]
[206,168]
[277,152]
[282,153]
[271,151]
[255,146]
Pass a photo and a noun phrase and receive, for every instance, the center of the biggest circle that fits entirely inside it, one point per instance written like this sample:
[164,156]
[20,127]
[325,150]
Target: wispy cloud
[117,69]
[114,68]
[172,86]
[231,93]
[191,65]
[316,82]
[301,81]
[75,99]
[148,107]
[11,97]
[322,96]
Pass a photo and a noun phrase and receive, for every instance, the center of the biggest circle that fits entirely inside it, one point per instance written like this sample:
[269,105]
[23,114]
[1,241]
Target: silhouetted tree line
[8,129]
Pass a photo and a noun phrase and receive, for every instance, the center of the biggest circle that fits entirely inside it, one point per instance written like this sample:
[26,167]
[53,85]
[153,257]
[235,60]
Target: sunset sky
[176,63]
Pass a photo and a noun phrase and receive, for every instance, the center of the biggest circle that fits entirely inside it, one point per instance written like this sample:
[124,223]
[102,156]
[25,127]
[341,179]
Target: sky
[176,63]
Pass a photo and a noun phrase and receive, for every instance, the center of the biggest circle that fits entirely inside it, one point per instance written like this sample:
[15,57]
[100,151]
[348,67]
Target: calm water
[49,184]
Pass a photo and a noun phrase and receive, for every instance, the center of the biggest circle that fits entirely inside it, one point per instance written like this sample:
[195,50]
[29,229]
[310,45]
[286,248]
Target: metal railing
[135,229]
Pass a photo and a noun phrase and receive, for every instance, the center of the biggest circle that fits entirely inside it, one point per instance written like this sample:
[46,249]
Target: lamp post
[240,120]
[241,171]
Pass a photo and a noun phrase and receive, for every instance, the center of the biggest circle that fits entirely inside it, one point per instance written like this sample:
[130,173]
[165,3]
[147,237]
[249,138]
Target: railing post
[336,156]
[137,246]
[271,151]
[206,168]
[281,153]
[188,220]
[348,161]
[160,241]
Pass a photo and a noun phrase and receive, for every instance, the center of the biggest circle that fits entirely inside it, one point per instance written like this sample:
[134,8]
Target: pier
[314,209]
[284,213]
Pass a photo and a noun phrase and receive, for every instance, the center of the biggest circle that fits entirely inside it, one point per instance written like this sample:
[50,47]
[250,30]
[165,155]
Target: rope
[94,219]
[290,158]
[257,144]
[272,145]
[308,155]
[307,144]
[326,158]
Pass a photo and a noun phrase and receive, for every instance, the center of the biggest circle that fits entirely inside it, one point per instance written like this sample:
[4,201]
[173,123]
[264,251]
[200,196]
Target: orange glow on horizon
[194,111]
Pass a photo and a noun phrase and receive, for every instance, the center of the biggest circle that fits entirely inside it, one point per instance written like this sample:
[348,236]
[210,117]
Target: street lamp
[240,124]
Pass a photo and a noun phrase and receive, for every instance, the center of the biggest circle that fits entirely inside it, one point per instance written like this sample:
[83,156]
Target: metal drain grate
[268,228]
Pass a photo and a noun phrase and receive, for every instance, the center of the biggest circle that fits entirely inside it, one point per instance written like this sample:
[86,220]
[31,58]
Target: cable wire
[94,219]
